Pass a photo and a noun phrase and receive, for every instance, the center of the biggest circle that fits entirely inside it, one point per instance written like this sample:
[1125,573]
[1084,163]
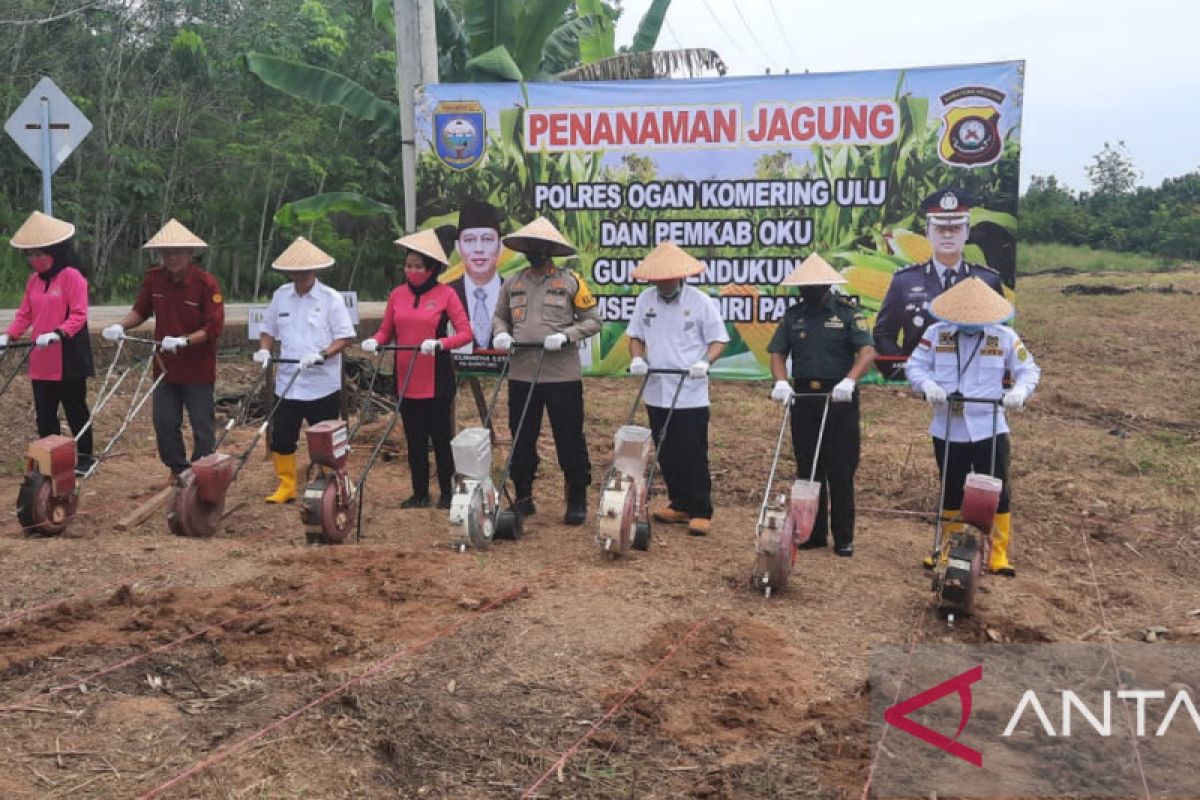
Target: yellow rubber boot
[285,468]
[998,564]
[950,525]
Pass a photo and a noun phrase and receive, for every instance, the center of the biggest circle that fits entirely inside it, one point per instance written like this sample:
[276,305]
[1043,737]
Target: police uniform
[904,314]
[823,340]
[677,334]
[532,306]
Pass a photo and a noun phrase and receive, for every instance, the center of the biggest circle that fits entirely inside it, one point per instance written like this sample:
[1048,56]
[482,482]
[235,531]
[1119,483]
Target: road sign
[68,125]
[48,127]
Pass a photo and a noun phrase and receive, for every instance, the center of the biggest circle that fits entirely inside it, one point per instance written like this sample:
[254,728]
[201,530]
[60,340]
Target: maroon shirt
[180,308]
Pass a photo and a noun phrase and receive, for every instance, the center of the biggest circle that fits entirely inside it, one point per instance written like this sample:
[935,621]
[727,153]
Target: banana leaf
[879,262]
[318,206]
[600,42]
[650,26]
[496,65]
[537,23]
[381,12]
[325,88]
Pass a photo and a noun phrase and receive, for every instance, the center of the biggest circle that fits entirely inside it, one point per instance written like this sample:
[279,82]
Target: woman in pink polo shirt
[419,312]
[55,310]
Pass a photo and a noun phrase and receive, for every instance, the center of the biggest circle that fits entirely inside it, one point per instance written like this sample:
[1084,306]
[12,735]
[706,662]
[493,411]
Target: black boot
[576,504]
[523,502]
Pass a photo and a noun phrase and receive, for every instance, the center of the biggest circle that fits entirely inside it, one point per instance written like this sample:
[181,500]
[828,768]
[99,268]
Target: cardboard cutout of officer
[904,314]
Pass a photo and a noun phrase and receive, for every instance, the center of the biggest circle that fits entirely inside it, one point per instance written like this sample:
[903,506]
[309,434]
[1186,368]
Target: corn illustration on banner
[750,175]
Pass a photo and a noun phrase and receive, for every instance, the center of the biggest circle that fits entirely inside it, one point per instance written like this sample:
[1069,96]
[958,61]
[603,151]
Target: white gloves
[502,341]
[170,344]
[555,341]
[369,345]
[430,346]
[1014,398]
[782,392]
[638,366]
[698,370]
[935,395]
[844,391]
[263,357]
[3,341]
[310,360]
[46,339]
[113,333]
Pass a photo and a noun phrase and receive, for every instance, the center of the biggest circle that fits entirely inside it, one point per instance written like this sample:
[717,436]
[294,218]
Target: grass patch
[1034,258]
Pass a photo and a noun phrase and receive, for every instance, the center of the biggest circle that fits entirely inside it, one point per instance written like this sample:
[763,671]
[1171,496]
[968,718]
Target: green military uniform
[822,340]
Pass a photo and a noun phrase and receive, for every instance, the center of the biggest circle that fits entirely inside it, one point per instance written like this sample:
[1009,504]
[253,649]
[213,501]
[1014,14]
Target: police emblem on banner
[459,133]
[971,129]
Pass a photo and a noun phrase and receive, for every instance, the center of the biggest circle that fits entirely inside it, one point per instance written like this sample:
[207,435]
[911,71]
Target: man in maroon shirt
[189,314]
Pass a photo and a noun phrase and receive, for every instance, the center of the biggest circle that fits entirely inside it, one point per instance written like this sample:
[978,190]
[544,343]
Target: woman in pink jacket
[419,312]
[55,310]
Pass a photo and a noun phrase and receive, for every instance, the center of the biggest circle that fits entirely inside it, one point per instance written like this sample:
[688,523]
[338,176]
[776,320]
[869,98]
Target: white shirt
[304,324]
[491,293]
[677,334]
[974,365]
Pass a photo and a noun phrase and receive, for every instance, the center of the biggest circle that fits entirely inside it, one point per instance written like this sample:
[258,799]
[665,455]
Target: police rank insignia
[459,132]
[971,133]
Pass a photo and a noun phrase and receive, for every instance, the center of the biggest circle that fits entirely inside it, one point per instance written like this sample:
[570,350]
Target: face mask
[41,263]
[538,258]
[673,293]
[970,328]
[813,295]
[418,278]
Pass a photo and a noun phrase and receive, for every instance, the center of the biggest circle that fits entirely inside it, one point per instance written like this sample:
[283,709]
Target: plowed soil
[127,657]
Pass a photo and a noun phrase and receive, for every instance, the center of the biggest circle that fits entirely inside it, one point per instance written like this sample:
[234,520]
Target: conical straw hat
[174,234]
[539,235]
[971,302]
[302,255]
[41,230]
[665,262]
[427,244]
[813,271]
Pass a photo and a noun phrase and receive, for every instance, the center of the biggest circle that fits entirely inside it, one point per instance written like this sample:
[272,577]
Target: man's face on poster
[948,239]
[479,248]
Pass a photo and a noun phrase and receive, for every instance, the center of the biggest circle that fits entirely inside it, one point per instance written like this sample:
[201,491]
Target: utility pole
[416,64]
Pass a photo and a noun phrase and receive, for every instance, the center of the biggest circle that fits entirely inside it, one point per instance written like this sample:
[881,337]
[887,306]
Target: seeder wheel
[641,536]
[39,511]
[508,526]
[960,584]
[189,515]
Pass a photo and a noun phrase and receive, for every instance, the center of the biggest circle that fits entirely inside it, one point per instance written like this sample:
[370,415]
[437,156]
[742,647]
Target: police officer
[312,325]
[189,315]
[827,338]
[967,353]
[905,308]
[553,306]
[676,326]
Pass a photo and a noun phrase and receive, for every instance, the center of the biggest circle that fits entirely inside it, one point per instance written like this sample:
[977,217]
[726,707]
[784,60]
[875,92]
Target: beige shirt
[533,306]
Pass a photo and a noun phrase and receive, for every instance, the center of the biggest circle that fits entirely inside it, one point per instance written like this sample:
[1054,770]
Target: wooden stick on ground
[140,513]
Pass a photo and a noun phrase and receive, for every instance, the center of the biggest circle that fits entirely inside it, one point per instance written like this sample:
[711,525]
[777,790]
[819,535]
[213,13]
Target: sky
[1096,71]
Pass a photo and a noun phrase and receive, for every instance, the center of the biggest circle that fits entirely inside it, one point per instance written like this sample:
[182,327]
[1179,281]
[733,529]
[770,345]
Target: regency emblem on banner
[971,130]
[459,133]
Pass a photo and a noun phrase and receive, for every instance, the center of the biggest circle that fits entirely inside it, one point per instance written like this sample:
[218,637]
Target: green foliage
[651,25]
[1041,257]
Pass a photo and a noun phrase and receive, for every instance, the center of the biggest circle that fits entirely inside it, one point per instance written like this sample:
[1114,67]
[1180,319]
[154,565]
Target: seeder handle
[399,347]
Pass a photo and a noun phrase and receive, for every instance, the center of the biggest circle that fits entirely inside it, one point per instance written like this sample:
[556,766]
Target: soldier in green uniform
[827,337]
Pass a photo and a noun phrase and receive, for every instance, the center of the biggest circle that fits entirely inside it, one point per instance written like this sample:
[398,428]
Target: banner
[750,175]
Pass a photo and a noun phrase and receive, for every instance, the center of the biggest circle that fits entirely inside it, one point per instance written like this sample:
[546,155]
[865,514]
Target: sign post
[47,127]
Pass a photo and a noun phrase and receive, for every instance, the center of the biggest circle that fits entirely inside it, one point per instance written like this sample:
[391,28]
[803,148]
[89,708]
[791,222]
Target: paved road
[235,313]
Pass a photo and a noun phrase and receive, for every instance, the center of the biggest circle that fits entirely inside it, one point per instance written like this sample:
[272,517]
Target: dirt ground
[485,667]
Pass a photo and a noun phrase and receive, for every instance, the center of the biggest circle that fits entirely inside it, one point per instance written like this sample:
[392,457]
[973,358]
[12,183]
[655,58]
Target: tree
[1112,171]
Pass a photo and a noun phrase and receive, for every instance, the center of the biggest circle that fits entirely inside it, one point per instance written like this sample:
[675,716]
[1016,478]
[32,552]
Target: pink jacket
[410,323]
[60,304]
